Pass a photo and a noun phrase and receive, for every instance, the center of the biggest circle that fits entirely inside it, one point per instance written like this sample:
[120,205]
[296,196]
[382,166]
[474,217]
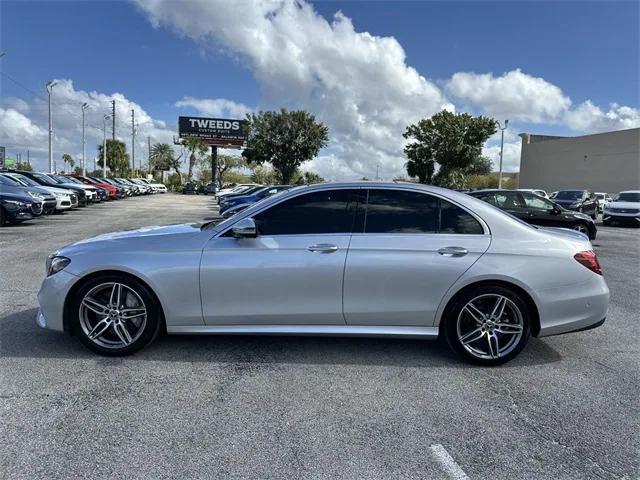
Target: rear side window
[509,200]
[329,211]
[397,211]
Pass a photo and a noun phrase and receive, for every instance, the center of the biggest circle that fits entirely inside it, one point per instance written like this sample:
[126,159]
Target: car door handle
[323,248]
[453,251]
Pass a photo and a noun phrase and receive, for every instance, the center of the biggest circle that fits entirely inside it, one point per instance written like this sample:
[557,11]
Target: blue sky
[588,51]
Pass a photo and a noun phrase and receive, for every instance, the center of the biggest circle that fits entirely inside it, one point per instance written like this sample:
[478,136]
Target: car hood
[143,232]
[71,184]
[623,204]
[566,202]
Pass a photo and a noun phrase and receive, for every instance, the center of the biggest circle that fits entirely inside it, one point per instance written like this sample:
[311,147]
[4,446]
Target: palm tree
[163,156]
[68,159]
[194,145]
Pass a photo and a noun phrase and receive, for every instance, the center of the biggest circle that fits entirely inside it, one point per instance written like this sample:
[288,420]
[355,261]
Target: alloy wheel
[490,326]
[112,315]
[580,227]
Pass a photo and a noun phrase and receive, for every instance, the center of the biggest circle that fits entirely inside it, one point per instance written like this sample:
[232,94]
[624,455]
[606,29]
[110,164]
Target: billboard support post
[214,163]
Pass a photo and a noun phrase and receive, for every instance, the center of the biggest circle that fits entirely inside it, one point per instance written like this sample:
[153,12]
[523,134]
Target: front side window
[328,211]
[509,200]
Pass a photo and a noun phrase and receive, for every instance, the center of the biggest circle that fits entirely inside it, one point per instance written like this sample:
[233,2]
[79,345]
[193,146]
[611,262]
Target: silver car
[372,259]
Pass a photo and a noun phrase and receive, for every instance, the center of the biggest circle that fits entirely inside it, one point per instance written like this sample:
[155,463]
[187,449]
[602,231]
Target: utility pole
[104,145]
[113,116]
[84,167]
[502,129]
[149,157]
[50,85]
[133,140]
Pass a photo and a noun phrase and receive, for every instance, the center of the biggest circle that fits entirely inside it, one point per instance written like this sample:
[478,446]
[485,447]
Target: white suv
[625,207]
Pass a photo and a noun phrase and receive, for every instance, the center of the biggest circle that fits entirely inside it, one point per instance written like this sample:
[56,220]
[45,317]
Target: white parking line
[449,464]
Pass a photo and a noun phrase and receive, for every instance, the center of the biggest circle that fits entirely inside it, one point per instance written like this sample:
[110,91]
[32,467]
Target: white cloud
[357,83]
[24,124]
[588,117]
[216,107]
[521,97]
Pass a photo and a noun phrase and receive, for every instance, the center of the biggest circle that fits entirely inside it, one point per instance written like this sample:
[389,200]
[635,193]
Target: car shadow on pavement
[21,337]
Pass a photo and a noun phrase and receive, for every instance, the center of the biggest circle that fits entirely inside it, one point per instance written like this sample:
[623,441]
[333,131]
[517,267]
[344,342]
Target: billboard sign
[222,132]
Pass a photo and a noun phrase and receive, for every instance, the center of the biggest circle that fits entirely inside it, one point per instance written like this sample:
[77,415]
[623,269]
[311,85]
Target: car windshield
[24,180]
[7,180]
[569,195]
[73,180]
[44,178]
[628,197]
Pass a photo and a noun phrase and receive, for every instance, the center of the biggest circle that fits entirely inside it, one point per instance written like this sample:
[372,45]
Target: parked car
[209,189]
[145,188]
[537,210]
[137,189]
[155,186]
[46,181]
[48,201]
[603,199]
[65,198]
[16,207]
[101,194]
[231,211]
[237,189]
[623,208]
[190,188]
[427,262]
[121,192]
[110,189]
[242,191]
[232,201]
[583,201]
[537,191]
[90,190]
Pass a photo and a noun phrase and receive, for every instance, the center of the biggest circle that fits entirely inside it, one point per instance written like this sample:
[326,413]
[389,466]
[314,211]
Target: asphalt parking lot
[285,407]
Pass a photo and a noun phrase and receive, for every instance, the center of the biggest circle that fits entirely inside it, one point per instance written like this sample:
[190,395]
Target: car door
[412,248]
[291,273]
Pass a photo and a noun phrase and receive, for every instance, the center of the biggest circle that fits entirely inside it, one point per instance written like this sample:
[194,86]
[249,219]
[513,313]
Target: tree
[452,142]
[117,157]
[309,178]
[196,148]
[163,157]
[68,160]
[24,166]
[264,175]
[226,165]
[284,139]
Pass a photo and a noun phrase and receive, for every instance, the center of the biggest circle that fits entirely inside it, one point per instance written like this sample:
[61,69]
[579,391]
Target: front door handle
[323,248]
[453,251]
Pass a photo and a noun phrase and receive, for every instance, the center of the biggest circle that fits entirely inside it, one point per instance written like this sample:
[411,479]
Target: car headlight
[18,203]
[55,263]
[35,195]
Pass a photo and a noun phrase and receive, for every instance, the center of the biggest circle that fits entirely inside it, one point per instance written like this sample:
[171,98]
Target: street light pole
[84,163]
[104,145]
[50,85]
[502,129]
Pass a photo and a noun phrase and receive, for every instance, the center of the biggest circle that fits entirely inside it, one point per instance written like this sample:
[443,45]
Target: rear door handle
[323,248]
[453,251]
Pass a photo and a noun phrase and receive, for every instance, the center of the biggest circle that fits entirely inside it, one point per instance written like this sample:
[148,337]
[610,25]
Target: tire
[134,296]
[595,214]
[581,227]
[511,334]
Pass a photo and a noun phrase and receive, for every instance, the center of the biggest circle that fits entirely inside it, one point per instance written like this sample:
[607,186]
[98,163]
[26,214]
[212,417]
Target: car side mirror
[245,228]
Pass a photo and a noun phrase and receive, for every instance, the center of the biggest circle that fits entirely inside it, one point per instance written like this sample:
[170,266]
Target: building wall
[604,162]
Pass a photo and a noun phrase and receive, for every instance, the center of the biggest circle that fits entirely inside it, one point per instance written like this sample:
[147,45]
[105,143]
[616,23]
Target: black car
[583,201]
[190,188]
[16,208]
[537,210]
[46,181]
[209,189]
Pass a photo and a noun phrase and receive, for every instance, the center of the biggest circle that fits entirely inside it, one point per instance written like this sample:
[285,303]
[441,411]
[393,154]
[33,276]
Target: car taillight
[589,259]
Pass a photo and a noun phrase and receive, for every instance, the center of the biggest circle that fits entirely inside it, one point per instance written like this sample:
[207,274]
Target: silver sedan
[372,259]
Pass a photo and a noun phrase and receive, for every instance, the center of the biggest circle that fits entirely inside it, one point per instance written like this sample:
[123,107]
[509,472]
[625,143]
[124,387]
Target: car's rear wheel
[489,325]
[115,315]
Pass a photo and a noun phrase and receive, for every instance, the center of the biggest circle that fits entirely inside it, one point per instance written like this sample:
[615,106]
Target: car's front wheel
[489,325]
[115,315]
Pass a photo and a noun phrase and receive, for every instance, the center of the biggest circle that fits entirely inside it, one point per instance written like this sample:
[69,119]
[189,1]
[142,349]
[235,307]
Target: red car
[90,181]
